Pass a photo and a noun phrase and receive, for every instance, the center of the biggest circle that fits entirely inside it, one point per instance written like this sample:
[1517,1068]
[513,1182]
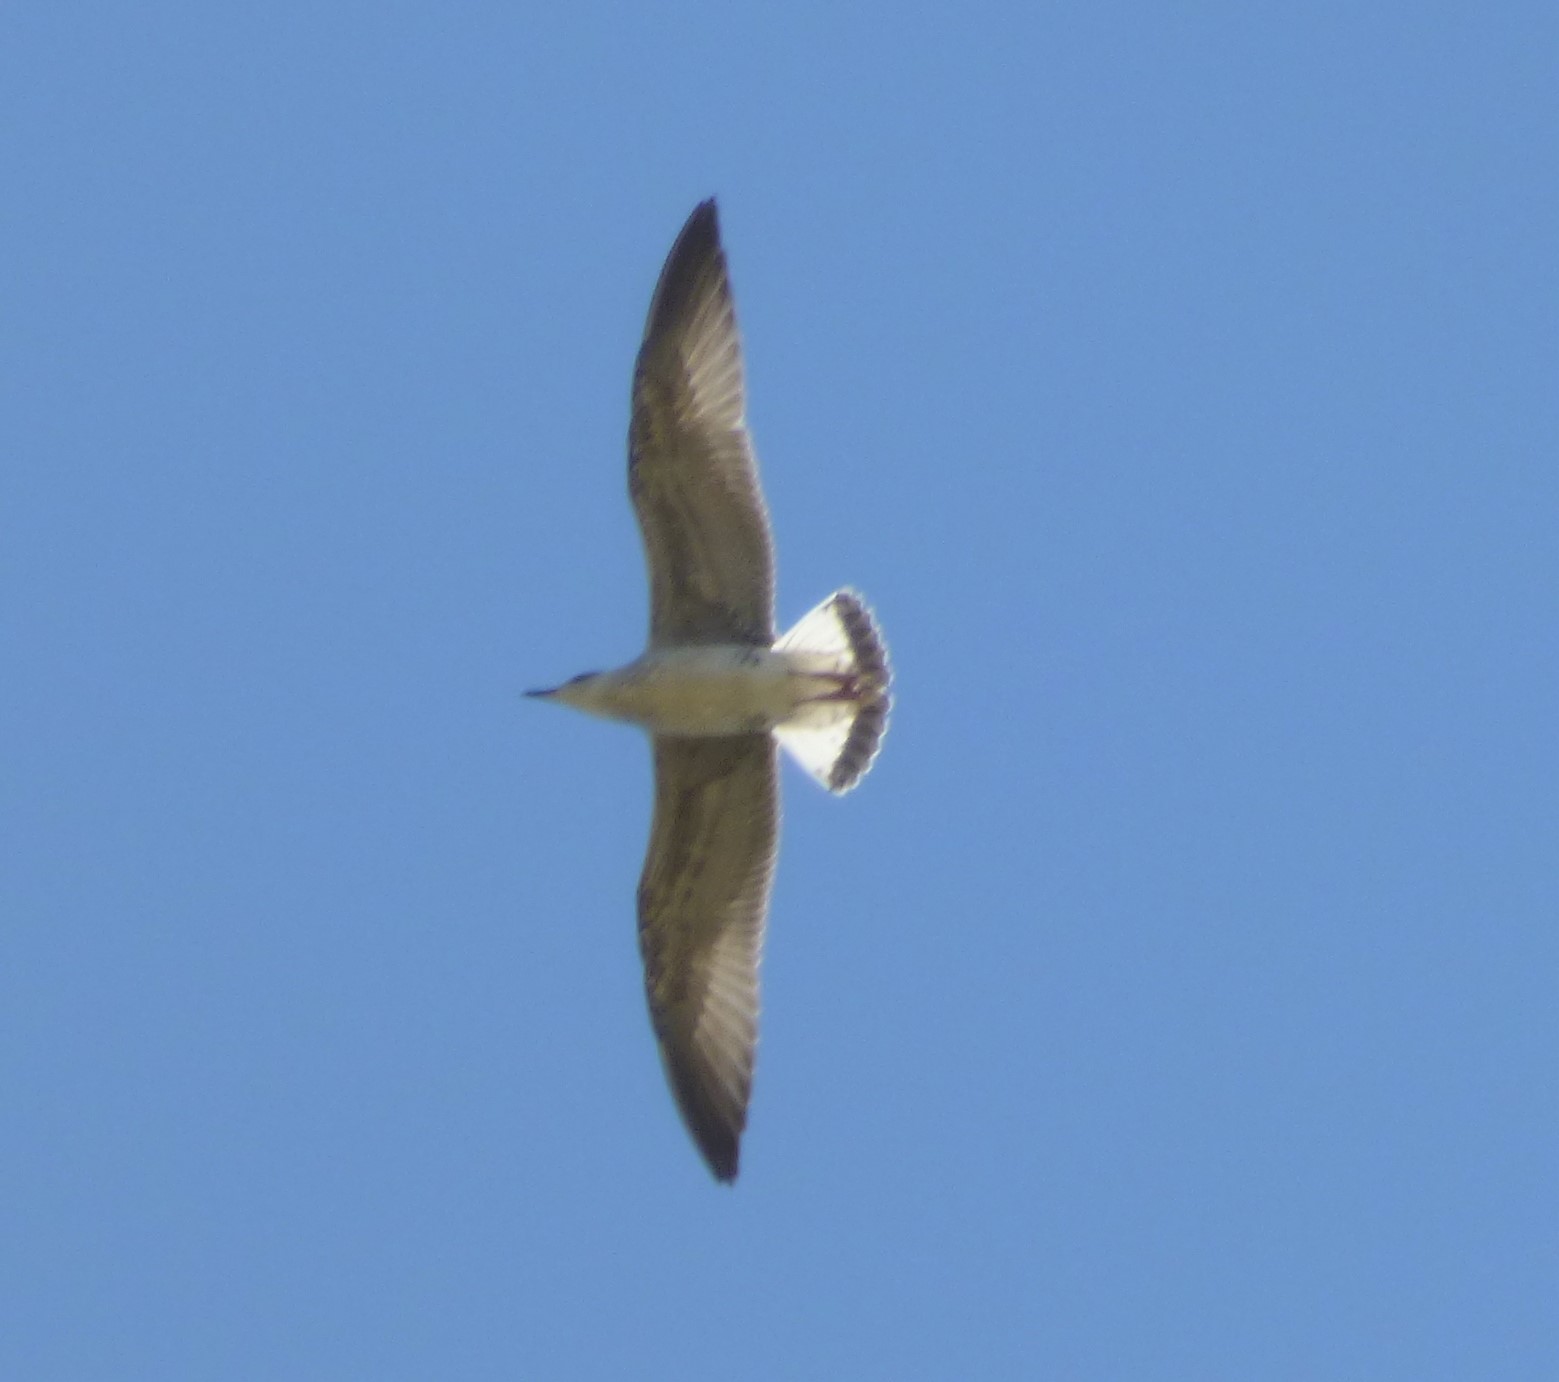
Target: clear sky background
[1177,997]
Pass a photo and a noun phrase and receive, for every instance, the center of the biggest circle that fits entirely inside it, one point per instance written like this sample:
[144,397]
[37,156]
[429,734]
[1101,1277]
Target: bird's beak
[549,691]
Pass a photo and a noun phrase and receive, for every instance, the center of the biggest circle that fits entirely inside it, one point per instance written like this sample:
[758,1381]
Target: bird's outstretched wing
[691,468]
[702,903]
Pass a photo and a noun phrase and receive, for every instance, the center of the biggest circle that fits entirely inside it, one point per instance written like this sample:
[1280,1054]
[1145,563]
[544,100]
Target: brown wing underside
[692,473]
[702,903]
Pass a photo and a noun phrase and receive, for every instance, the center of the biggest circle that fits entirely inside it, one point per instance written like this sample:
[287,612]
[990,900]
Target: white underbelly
[712,690]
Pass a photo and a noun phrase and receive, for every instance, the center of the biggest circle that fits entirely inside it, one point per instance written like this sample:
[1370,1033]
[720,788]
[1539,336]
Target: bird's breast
[714,690]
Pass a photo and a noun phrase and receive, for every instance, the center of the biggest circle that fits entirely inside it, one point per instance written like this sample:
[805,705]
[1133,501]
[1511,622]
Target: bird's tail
[836,736]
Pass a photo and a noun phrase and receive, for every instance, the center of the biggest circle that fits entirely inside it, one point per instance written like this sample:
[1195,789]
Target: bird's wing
[691,468]
[702,902]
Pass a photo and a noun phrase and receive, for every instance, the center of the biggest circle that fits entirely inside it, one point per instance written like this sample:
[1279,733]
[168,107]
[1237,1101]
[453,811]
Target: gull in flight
[716,688]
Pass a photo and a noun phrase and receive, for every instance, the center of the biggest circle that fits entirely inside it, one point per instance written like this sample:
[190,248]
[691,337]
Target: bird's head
[581,692]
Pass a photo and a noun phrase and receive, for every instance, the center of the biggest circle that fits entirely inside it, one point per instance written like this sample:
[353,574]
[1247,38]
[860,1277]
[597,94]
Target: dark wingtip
[699,238]
[722,1163]
[716,1131]
[718,1143]
[694,271]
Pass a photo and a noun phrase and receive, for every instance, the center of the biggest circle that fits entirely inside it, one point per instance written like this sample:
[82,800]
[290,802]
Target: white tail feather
[835,740]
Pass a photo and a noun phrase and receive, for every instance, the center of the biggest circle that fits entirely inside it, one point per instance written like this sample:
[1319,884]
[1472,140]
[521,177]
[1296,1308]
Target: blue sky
[1176,999]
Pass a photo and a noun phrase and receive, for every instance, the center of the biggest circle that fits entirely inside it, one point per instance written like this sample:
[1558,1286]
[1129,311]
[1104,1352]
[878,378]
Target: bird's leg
[843,686]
